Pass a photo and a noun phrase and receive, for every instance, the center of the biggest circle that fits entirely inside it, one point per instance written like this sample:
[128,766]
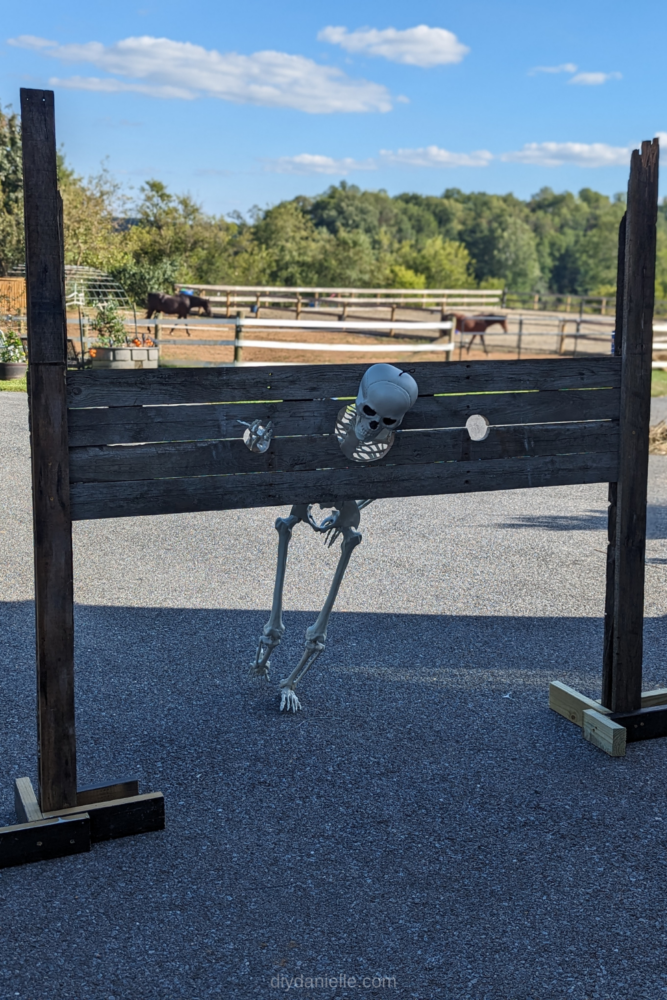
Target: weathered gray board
[183,449]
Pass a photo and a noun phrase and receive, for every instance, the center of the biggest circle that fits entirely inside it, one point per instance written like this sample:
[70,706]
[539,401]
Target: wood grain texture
[608,642]
[644,724]
[52,528]
[47,326]
[26,805]
[569,703]
[26,842]
[122,817]
[600,730]
[113,463]
[137,424]
[640,253]
[211,385]
[54,595]
[90,794]
[173,496]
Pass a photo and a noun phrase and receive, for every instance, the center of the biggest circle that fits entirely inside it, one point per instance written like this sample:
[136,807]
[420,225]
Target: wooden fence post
[238,337]
[623,678]
[52,525]
[608,647]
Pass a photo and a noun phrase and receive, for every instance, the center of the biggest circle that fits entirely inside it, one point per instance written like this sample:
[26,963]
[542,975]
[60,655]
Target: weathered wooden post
[622,684]
[608,645]
[52,525]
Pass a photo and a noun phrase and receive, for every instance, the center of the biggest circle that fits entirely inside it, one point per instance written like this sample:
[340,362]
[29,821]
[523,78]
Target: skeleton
[257,437]
[365,432]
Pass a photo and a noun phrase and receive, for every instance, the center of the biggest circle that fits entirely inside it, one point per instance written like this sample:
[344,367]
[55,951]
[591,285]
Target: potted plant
[13,362]
[112,349]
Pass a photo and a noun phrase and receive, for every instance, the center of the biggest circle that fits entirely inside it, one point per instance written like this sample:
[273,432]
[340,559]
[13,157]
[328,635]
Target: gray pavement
[658,409]
[425,818]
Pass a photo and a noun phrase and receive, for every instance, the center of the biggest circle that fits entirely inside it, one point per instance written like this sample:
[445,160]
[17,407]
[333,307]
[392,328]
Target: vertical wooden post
[608,647]
[52,525]
[630,527]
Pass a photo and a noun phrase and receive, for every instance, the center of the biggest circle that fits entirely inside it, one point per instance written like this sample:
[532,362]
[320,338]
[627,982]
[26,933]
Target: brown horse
[170,305]
[475,325]
[176,305]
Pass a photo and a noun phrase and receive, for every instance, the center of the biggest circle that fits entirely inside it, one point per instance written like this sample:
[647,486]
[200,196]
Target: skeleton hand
[258,436]
[288,699]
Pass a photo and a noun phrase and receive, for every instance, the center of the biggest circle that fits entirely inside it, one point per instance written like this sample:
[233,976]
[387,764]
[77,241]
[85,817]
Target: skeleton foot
[288,700]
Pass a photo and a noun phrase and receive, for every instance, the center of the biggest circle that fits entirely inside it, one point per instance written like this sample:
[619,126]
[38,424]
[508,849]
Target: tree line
[553,242]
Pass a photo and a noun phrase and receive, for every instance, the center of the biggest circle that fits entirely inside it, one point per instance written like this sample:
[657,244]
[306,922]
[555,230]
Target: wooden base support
[606,730]
[602,732]
[645,724]
[103,812]
[121,817]
[43,840]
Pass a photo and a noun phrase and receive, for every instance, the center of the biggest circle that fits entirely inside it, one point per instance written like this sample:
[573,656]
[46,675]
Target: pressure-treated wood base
[607,730]
[103,812]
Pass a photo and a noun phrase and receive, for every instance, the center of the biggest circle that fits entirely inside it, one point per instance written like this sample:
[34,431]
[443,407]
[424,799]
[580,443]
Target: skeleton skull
[385,395]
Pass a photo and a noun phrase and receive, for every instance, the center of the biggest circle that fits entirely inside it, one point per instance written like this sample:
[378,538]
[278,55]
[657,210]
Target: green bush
[11,348]
[109,325]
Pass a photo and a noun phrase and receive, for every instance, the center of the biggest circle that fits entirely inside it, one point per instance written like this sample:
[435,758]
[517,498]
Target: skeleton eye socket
[389,420]
[368,411]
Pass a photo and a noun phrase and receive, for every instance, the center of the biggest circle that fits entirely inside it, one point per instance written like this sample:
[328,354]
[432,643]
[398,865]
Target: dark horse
[176,305]
[476,325]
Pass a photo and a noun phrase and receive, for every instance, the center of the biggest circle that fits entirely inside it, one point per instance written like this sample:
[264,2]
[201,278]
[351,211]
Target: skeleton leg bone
[316,634]
[274,628]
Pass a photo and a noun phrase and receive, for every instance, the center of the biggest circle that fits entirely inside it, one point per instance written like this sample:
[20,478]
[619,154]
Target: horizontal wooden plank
[174,496]
[44,840]
[118,463]
[91,794]
[657,696]
[644,724]
[202,422]
[142,387]
[121,817]
[569,703]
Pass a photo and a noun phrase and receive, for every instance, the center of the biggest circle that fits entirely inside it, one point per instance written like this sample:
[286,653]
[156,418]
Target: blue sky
[249,103]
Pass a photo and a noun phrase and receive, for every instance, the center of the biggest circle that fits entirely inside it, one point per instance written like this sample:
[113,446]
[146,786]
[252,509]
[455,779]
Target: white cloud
[160,67]
[429,157]
[433,156]
[420,46]
[312,163]
[594,79]
[662,139]
[578,154]
[563,68]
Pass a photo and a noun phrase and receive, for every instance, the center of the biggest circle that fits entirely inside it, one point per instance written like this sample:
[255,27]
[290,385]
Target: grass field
[14,385]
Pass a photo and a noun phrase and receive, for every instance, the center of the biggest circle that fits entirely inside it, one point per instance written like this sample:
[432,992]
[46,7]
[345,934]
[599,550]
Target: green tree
[12,250]
[444,264]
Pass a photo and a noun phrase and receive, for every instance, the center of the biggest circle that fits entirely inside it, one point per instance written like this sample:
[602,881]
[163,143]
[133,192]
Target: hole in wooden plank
[478,427]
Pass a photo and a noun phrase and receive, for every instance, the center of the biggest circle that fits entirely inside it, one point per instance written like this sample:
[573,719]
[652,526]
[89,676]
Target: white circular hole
[477,427]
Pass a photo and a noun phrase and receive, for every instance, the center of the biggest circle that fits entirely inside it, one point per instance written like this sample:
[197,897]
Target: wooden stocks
[52,526]
[624,605]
